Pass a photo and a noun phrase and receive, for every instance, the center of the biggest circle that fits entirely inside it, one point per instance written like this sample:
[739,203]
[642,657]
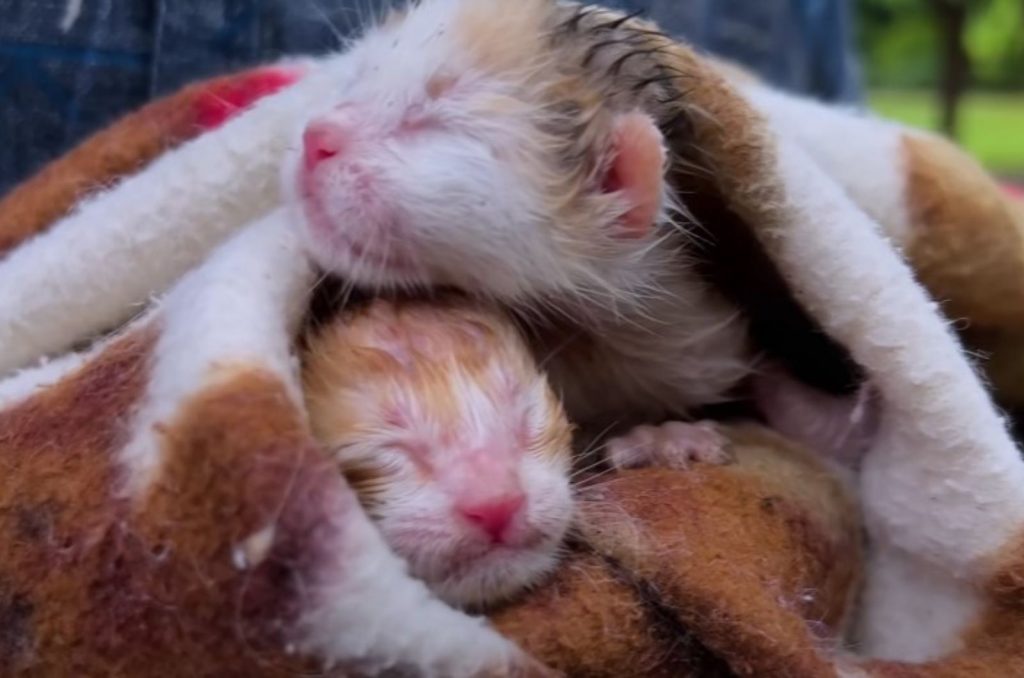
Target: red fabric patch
[223,99]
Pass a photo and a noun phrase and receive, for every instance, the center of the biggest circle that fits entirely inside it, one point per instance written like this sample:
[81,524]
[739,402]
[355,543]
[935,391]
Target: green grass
[991,125]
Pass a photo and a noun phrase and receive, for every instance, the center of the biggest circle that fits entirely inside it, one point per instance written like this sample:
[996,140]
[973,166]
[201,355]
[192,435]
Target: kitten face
[453,441]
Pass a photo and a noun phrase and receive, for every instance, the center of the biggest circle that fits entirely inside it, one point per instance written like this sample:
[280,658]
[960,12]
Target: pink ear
[636,171]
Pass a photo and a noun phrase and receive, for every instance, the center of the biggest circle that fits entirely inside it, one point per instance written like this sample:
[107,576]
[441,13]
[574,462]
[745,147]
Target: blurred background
[952,65]
[67,67]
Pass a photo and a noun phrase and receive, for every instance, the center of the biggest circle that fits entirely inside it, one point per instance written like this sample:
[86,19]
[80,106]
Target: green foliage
[900,42]
[995,41]
[991,126]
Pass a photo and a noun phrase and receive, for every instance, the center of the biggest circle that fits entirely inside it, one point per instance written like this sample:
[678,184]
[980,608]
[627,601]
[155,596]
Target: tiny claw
[674,444]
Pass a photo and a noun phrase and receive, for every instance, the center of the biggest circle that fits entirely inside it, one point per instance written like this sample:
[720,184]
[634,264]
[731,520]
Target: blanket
[164,509]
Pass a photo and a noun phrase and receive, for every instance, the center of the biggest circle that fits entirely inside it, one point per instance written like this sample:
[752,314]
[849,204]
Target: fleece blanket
[164,509]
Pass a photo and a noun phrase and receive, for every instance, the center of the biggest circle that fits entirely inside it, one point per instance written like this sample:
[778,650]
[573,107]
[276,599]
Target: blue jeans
[68,67]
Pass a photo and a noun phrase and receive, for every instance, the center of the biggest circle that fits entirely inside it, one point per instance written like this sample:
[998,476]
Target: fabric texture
[163,503]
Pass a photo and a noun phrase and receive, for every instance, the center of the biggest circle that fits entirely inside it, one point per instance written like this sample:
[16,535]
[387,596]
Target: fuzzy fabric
[164,509]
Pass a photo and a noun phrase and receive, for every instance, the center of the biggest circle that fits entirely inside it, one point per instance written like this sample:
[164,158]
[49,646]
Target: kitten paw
[674,444]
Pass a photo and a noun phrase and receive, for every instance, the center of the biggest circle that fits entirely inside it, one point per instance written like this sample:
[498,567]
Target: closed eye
[418,119]
[439,85]
[419,124]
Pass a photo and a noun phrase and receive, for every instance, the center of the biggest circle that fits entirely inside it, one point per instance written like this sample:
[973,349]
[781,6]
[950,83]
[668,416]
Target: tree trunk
[952,20]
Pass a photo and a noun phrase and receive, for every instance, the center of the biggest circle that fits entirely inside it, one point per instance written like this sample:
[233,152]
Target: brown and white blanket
[164,509]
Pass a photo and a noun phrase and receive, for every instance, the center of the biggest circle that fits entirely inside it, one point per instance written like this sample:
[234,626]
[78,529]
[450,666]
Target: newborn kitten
[449,433]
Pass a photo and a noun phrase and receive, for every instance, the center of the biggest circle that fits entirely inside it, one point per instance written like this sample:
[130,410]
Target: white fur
[457,562]
[240,308]
[862,152]
[944,483]
[100,264]
[465,199]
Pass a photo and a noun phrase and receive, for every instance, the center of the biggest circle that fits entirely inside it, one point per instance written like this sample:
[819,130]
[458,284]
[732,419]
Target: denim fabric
[69,66]
[801,45]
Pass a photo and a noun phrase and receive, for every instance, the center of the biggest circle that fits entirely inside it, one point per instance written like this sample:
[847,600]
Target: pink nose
[493,515]
[322,139]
